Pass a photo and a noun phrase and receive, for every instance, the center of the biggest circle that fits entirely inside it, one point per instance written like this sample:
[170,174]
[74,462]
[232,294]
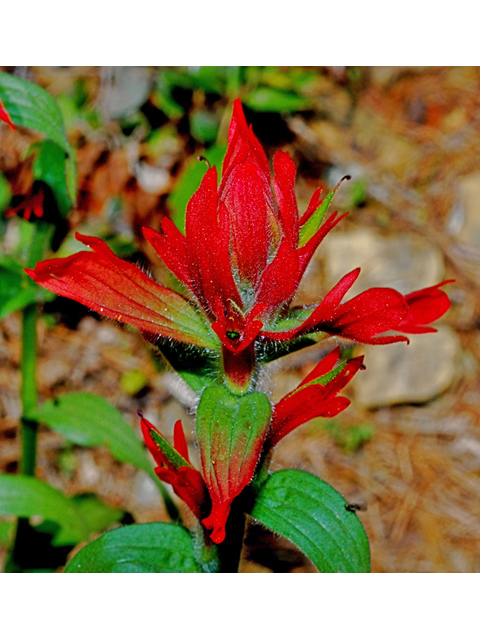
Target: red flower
[315,397]
[5,117]
[243,254]
[174,467]
[240,255]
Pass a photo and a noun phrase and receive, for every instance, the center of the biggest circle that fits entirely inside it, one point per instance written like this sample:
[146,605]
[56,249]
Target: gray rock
[401,373]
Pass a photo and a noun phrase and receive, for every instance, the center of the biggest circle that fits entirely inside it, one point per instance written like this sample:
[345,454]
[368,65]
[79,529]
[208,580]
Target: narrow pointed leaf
[139,548]
[312,515]
[25,497]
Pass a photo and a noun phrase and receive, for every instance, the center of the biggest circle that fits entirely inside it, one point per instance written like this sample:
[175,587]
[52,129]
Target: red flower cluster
[243,254]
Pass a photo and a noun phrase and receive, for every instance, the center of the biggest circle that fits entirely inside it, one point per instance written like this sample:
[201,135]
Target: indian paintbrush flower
[241,258]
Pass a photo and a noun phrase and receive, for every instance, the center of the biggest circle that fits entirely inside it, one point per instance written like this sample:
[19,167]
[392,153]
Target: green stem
[29,393]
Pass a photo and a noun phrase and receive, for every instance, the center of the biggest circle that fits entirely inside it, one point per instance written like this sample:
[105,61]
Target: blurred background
[408,447]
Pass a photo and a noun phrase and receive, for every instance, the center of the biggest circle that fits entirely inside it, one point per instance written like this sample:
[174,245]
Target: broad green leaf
[90,421]
[138,548]
[96,515]
[25,497]
[275,100]
[312,515]
[31,106]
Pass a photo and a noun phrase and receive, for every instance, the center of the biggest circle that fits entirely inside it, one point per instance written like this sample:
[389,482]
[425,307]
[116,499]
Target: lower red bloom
[315,397]
[174,467]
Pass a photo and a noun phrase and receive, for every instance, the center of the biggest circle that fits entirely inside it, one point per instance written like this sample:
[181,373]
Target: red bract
[315,397]
[5,117]
[424,306]
[120,290]
[174,467]
[240,255]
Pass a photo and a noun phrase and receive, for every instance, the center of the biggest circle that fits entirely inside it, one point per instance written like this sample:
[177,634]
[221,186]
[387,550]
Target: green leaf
[25,497]
[96,515]
[5,193]
[312,515]
[31,106]
[49,166]
[275,100]
[189,181]
[90,421]
[138,548]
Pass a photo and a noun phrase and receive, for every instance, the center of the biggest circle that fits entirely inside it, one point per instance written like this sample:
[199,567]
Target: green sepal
[231,431]
[173,457]
[312,225]
[311,514]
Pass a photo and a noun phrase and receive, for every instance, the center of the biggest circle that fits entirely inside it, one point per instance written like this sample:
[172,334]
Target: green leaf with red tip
[231,431]
[312,225]
[312,515]
[139,548]
[173,457]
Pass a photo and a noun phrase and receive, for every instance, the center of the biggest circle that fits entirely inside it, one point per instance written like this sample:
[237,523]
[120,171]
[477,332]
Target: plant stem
[29,393]
[230,550]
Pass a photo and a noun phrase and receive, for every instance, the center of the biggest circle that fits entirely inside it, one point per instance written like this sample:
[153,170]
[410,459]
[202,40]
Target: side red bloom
[315,397]
[174,467]
[4,116]
[121,291]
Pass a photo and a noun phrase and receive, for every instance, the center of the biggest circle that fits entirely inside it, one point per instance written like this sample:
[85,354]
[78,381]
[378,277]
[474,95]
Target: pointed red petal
[171,247]
[284,187]
[325,365]
[120,290]
[425,306]
[313,205]
[280,279]
[207,240]
[179,441]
